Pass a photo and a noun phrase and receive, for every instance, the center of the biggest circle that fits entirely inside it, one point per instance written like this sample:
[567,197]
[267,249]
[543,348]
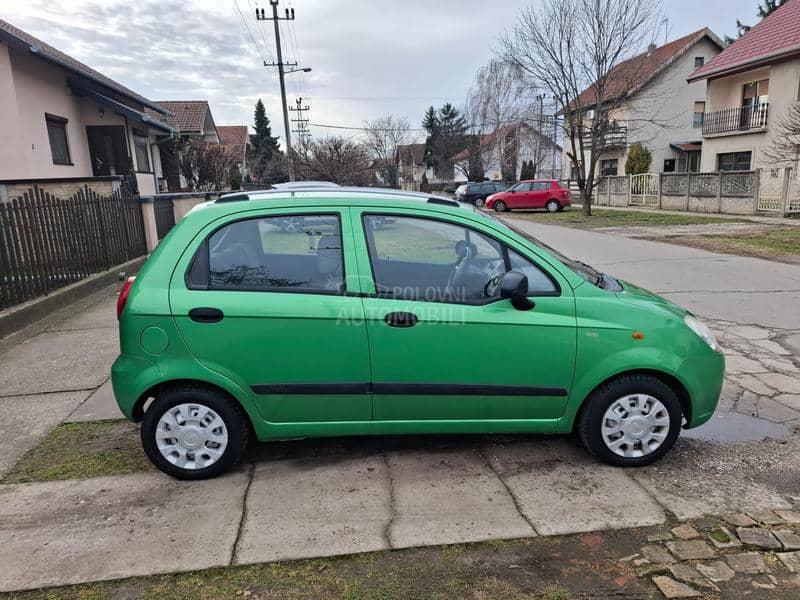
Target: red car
[534,193]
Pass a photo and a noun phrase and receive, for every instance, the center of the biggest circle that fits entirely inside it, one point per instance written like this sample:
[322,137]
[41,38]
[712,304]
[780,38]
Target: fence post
[785,199]
[688,187]
[719,192]
[660,183]
[756,190]
[629,189]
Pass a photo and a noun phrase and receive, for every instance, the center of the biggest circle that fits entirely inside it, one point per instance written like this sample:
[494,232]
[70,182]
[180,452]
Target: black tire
[479,202]
[590,419]
[553,206]
[500,206]
[229,411]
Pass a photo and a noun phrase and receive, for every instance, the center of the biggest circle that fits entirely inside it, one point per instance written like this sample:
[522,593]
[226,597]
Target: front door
[442,343]
[108,150]
[263,302]
[520,197]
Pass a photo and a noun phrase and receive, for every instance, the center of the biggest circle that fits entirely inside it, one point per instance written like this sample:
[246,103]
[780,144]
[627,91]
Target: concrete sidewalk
[314,498]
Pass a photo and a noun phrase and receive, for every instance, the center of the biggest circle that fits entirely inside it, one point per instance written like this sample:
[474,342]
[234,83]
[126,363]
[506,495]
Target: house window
[608,167]
[699,61]
[699,111]
[669,165]
[734,161]
[140,148]
[57,134]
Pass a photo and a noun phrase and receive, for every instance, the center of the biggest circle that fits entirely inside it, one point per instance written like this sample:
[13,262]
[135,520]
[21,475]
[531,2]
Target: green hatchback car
[356,321]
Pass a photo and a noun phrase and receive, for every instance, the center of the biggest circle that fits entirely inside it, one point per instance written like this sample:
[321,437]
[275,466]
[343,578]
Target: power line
[261,31]
[250,33]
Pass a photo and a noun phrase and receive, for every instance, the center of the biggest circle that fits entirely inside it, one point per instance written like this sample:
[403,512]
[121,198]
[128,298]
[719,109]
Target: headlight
[703,331]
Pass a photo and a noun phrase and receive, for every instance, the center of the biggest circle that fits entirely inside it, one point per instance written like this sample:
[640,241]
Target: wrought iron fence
[48,242]
[738,118]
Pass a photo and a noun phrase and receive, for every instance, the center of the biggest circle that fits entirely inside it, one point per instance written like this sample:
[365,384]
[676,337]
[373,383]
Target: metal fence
[48,242]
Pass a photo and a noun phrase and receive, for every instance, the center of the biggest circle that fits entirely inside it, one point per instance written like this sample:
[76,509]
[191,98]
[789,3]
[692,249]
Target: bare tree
[335,159]
[572,49]
[204,167]
[383,136]
[784,147]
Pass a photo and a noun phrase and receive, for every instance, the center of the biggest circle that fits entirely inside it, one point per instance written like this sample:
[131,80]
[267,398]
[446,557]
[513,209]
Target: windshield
[461,190]
[587,272]
[516,186]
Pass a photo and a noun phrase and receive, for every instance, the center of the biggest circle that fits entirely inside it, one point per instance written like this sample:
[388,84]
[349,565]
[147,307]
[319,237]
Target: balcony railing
[736,119]
[614,137]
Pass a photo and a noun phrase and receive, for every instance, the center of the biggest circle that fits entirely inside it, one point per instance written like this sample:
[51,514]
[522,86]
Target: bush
[639,160]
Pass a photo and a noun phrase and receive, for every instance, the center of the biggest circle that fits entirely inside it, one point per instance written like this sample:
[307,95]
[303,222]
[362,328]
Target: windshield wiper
[599,280]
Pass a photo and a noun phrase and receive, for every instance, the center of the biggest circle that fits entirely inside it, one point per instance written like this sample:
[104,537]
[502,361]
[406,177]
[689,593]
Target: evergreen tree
[764,9]
[639,160]
[263,142]
[431,121]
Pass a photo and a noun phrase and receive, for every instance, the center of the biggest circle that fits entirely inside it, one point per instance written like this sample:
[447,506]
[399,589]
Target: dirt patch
[563,568]
[82,450]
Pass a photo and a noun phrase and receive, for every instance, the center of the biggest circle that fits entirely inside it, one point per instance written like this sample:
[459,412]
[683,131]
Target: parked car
[476,193]
[535,193]
[234,329]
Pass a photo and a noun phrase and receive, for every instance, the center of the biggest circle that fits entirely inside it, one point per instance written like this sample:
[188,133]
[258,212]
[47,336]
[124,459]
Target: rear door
[539,194]
[265,303]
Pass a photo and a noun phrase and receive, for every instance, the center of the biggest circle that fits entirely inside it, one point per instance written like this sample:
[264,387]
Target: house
[236,143]
[749,87]
[191,118]
[653,104]
[65,124]
[411,158]
[503,151]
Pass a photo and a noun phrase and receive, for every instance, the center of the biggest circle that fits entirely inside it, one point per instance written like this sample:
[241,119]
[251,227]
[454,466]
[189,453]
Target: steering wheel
[460,267]
[497,269]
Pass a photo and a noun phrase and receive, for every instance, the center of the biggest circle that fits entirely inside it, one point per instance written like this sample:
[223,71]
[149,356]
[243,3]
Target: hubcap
[552,206]
[635,425]
[191,436]
[292,224]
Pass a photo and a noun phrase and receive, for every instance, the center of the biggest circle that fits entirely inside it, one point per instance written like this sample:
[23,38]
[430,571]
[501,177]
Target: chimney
[651,48]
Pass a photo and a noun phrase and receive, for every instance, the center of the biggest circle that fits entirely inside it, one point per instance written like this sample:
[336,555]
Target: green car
[388,312]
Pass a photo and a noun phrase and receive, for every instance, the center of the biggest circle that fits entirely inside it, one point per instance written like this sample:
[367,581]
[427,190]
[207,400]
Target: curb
[19,317]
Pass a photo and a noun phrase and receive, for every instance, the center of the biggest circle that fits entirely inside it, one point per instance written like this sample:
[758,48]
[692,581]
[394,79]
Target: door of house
[108,150]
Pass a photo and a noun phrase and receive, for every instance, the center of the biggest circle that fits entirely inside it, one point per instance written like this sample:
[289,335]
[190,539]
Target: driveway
[313,498]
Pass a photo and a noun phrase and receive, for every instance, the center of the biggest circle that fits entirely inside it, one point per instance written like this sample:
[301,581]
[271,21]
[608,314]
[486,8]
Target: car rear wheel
[479,202]
[552,206]
[630,421]
[194,432]
[500,206]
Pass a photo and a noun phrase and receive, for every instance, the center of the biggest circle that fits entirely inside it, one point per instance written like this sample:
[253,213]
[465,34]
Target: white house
[661,110]
[503,151]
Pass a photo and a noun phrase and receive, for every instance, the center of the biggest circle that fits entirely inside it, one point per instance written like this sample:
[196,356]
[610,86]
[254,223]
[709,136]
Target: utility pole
[302,124]
[261,16]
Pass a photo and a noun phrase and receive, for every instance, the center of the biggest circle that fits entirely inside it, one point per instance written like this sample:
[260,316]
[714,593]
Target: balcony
[616,136]
[739,119]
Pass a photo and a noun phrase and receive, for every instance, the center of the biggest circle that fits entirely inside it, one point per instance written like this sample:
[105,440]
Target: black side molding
[407,389]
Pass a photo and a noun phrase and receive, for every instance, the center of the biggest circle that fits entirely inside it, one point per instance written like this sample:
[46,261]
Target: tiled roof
[234,140]
[416,152]
[37,47]
[772,38]
[633,73]
[188,116]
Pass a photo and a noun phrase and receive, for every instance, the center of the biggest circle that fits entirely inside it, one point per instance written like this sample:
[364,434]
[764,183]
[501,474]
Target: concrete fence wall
[727,192]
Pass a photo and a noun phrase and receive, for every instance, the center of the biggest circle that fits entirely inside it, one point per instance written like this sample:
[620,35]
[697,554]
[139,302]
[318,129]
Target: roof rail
[237,197]
[443,201]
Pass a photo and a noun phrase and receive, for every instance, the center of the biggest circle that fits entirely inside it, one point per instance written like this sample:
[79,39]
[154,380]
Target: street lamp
[303,69]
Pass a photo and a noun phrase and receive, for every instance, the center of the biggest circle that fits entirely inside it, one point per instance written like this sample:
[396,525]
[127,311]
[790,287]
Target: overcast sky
[369,58]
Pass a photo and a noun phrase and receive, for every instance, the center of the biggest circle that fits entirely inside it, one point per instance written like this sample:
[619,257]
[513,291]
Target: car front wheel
[500,206]
[194,432]
[630,421]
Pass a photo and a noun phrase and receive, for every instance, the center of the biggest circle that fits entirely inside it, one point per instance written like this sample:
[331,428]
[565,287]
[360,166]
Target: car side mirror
[513,191]
[514,287]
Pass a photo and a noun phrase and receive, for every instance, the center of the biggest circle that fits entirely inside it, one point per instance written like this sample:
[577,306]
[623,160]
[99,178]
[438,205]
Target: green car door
[442,343]
[261,299]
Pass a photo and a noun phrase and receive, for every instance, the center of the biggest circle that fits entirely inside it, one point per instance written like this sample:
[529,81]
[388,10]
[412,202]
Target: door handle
[206,315]
[401,319]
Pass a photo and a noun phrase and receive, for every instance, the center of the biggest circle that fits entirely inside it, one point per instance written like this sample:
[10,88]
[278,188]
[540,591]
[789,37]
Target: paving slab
[316,506]
[759,537]
[28,419]
[789,539]
[791,560]
[688,496]
[560,489]
[747,562]
[58,361]
[691,549]
[450,497]
[716,571]
[97,316]
[674,589]
[66,532]
[100,406]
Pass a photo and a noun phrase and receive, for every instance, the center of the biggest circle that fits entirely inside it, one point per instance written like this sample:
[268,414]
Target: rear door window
[292,253]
